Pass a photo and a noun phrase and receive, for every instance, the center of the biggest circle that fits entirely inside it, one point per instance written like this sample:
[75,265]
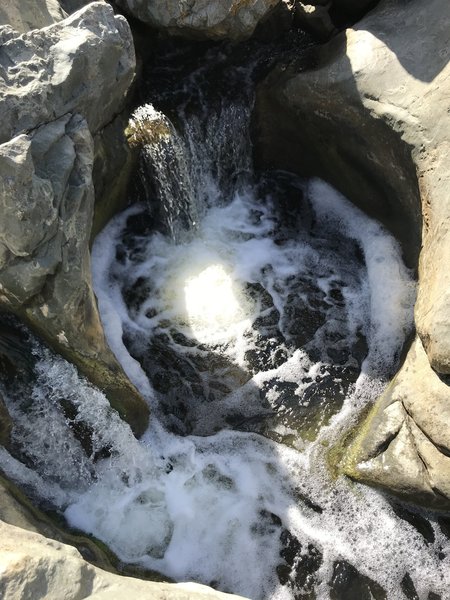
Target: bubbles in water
[283,315]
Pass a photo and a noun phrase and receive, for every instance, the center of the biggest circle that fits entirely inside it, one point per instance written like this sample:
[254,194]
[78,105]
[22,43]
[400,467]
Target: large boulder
[368,112]
[61,86]
[202,19]
[35,567]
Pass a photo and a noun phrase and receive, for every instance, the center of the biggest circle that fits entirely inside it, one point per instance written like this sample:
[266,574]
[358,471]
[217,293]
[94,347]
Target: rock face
[36,567]
[207,19]
[404,445]
[60,86]
[368,112]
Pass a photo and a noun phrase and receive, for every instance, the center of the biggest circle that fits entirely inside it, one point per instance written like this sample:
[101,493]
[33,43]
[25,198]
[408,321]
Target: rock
[30,14]
[353,9]
[315,19]
[114,163]
[65,84]
[404,444]
[84,64]
[17,510]
[368,112]
[202,19]
[33,566]
[5,424]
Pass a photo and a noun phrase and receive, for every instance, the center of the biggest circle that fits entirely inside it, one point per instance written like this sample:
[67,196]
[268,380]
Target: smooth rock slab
[33,567]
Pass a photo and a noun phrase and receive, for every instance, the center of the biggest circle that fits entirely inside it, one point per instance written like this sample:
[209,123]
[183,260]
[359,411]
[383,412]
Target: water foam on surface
[214,509]
[235,510]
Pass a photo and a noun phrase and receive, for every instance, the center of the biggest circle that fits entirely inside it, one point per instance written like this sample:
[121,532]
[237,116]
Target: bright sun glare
[212,306]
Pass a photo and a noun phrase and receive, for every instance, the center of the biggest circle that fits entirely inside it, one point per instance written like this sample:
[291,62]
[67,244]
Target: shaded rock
[404,445]
[5,424]
[73,77]
[30,14]
[35,567]
[206,19]
[353,9]
[114,163]
[315,19]
[348,584]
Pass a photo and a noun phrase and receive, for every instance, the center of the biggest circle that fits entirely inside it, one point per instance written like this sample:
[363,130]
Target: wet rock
[348,584]
[299,569]
[65,83]
[306,410]
[202,19]
[420,523]
[5,424]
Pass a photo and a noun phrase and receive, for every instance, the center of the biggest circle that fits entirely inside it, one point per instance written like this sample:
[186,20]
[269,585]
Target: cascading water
[258,316]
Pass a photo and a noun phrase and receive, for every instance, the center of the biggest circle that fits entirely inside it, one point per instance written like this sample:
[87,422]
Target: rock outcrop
[368,112]
[202,19]
[36,567]
[404,444]
[59,87]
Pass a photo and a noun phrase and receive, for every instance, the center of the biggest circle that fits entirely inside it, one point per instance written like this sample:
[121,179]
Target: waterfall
[258,314]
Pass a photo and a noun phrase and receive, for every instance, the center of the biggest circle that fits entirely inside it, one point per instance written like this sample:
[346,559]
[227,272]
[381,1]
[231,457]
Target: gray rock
[210,19]
[30,14]
[368,112]
[61,85]
[84,64]
[34,566]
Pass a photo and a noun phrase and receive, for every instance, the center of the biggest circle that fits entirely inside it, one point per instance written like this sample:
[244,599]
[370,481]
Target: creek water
[258,314]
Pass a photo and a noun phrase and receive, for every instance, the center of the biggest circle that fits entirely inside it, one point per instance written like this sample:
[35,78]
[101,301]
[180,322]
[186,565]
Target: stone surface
[5,424]
[84,64]
[17,510]
[404,444]
[207,19]
[30,14]
[34,567]
[315,19]
[368,112]
[61,85]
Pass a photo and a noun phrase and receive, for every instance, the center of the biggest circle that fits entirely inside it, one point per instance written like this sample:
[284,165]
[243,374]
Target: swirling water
[258,314]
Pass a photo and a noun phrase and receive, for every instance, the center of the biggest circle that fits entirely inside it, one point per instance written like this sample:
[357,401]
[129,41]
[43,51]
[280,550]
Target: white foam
[392,287]
[199,508]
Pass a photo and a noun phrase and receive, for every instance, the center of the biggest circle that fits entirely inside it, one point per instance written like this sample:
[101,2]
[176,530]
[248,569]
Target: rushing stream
[258,314]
